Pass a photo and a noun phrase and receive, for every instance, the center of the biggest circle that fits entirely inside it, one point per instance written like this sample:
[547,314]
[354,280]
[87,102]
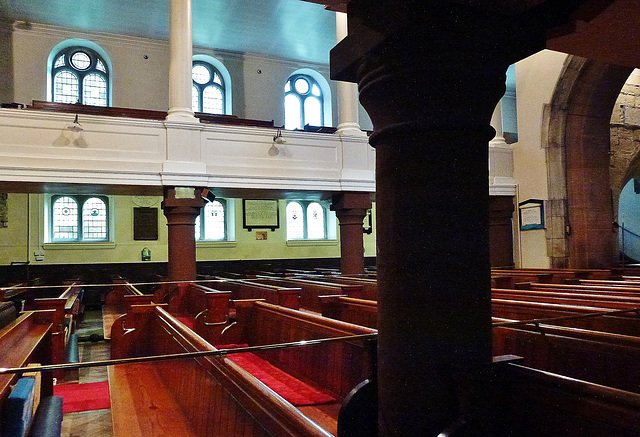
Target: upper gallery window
[79,219]
[80,75]
[303,102]
[208,89]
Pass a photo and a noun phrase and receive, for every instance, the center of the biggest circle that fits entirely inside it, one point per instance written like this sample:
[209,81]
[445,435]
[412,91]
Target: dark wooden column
[430,80]
[350,209]
[181,210]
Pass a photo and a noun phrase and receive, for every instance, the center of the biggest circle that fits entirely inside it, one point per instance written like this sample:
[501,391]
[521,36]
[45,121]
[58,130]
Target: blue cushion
[19,408]
[48,419]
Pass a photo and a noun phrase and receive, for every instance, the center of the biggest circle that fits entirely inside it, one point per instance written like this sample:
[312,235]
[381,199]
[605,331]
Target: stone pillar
[180,81]
[430,80]
[347,92]
[181,206]
[350,209]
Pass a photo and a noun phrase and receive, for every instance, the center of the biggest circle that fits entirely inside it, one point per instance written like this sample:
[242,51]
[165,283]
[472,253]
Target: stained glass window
[295,221]
[315,221]
[208,89]
[80,75]
[306,220]
[303,102]
[69,225]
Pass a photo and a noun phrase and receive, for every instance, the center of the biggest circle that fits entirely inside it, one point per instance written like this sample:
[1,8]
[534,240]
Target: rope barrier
[197,354]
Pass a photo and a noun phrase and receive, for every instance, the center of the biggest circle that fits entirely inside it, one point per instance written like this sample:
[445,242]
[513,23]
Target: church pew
[357,311]
[214,396]
[118,301]
[624,324]
[525,402]
[203,309]
[598,357]
[286,296]
[587,299]
[260,323]
[369,286]
[312,289]
[26,340]
[562,274]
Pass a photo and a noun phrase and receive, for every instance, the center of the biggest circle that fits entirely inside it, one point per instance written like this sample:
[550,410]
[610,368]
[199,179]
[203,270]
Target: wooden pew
[118,301]
[525,402]
[615,301]
[214,396]
[369,286]
[312,289]
[357,311]
[286,296]
[26,340]
[598,357]
[624,324]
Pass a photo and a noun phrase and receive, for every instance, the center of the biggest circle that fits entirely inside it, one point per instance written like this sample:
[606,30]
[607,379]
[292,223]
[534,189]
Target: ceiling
[282,28]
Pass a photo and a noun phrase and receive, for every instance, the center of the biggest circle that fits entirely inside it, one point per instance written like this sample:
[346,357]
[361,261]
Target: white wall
[536,78]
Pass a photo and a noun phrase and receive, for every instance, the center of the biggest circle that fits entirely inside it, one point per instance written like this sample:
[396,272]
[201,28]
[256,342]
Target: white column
[347,92]
[180,63]
[501,180]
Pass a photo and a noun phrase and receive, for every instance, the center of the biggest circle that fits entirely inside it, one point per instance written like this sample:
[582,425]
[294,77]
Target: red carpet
[83,397]
[292,389]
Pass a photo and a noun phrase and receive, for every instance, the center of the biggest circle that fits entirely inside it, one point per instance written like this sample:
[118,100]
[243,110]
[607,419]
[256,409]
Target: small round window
[80,60]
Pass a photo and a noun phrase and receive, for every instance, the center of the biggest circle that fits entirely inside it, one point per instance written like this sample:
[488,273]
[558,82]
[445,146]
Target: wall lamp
[277,139]
[75,126]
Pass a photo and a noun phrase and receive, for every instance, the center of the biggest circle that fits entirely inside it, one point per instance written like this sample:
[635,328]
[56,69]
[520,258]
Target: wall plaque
[145,223]
[260,214]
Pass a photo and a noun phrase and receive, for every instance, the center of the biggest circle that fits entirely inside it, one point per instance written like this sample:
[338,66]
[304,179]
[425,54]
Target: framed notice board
[260,214]
[531,214]
[145,223]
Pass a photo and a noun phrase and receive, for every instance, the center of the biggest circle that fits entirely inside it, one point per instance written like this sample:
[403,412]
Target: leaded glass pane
[59,62]
[200,74]
[216,79]
[95,90]
[65,86]
[195,99]
[315,221]
[301,85]
[292,112]
[287,87]
[212,100]
[80,60]
[65,219]
[295,221]
[94,219]
[312,111]
[100,66]
[214,221]
[315,90]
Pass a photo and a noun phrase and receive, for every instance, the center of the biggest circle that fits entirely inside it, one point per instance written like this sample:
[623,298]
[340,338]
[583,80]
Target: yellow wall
[124,249]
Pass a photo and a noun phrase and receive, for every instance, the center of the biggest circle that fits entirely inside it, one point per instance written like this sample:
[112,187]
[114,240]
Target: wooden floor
[95,423]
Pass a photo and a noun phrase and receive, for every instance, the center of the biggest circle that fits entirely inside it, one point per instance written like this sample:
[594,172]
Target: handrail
[196,354]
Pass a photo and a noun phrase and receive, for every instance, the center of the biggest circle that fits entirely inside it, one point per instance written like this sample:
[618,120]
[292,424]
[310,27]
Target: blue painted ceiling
[282,28]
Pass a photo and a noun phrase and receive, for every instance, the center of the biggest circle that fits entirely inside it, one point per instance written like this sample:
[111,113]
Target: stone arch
[576,137]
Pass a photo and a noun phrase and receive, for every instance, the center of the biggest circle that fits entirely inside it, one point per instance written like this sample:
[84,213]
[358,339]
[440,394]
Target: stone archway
[576,137]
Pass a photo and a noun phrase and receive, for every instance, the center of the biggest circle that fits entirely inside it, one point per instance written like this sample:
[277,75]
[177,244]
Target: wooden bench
[369,286]
[598,357]
[357,311]
[311,290]
[26,340]
[286,296]
[205,396]
[612,301]
[522,401]
[118,301]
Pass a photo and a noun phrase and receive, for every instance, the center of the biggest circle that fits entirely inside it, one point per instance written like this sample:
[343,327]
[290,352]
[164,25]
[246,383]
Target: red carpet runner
[296,392]
[83,397]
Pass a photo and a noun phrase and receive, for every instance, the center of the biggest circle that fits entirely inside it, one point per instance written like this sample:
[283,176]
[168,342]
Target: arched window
[207,93]
[303,102]
[211,223]
[68,224]
[306,220]
[80,75]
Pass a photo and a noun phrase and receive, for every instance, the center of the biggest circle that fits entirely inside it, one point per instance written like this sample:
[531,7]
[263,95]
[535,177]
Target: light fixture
[75,126]
[278,138]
